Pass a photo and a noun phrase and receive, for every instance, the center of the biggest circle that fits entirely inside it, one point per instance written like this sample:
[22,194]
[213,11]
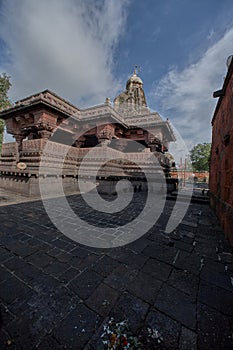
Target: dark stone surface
[217,298]
[188,339]
[132,309]
[103,299]
[85,283]
[161,252]
[214,330]
[11,289]
[145,287]
[167,327]
[105,265]
[58,294]
[77,328]
[219,278]
[184,281]
[177,305]
[157,269]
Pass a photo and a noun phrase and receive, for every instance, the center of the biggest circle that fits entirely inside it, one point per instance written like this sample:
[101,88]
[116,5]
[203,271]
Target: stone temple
[57,141]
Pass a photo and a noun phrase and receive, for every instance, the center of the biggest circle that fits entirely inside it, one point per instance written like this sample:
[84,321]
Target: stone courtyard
[58,294]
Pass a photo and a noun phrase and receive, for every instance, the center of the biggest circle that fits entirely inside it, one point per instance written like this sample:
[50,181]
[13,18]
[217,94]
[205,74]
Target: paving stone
[85,283]
[144,287]
[206,250]
[80,252]
[120,277]
[40,259]
[161,252]
[64,257]
[87,262]
[186,234]
[215,266]
[6,316]
[96,341]
[138,245]
[77,328]
[48,342]
[214,330]
[105,265]
[189,262]
[132,309]
[21,305]
[24,249]
[75,262]
[127,257]
[12,289]
[44,283]
[69,275]
[216,297]
[177,305]
[4,255]
[219,279]
[188,340]
[189,223]
[4,274]
[45,236]
[157,269]
[26,332]
[102,300]
[184,281]
[59,243]
[5,339]
[167,328]
[54,252]
[181,245]
[15,263]
[53,305]
[56,268]
[29,274]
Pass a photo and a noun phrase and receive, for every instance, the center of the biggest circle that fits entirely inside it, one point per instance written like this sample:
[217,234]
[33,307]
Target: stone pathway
[57,294]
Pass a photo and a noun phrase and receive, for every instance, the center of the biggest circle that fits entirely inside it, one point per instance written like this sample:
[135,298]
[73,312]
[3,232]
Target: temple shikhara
[121,136]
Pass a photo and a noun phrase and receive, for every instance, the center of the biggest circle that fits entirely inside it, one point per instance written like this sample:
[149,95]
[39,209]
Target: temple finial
[137,69]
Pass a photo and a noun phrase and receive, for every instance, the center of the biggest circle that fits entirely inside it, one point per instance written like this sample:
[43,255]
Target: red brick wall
[221,165]
[200,175]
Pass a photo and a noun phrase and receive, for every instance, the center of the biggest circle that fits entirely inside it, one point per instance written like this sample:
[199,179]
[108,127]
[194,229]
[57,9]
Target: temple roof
[137,115]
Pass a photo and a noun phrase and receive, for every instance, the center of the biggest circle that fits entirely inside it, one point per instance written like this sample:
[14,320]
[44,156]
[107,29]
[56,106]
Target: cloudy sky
[84,50]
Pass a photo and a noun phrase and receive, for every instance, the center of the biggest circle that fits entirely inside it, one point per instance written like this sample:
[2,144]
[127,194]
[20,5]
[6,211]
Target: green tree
[4,100]
[200,156]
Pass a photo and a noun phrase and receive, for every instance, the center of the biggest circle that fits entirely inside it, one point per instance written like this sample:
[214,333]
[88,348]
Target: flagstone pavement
[58,294]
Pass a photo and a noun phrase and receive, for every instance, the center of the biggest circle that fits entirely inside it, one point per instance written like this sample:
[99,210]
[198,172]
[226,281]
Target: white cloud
[66,46]
[186,96]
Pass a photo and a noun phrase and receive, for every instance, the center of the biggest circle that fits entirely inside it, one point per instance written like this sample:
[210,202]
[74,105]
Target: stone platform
[57,294]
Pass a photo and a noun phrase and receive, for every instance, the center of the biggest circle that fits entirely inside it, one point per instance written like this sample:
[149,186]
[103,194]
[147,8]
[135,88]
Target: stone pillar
[78,142]
[105,134]
[19,140]
[44,134]
[154,143]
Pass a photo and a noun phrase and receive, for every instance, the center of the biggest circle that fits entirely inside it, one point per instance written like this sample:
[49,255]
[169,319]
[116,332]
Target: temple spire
[137,69]
[132,100]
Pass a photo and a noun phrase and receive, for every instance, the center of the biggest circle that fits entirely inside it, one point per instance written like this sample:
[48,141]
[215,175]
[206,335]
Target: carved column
[105,134]
[78,142]
[19,140]
[154,143]
[44,134]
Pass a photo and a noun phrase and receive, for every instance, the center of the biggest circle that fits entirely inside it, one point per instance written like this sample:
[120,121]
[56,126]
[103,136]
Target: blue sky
[85,51]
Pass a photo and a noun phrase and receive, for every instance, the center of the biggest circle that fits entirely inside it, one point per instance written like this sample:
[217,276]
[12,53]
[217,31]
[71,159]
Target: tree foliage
[200,156]
[5,85]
